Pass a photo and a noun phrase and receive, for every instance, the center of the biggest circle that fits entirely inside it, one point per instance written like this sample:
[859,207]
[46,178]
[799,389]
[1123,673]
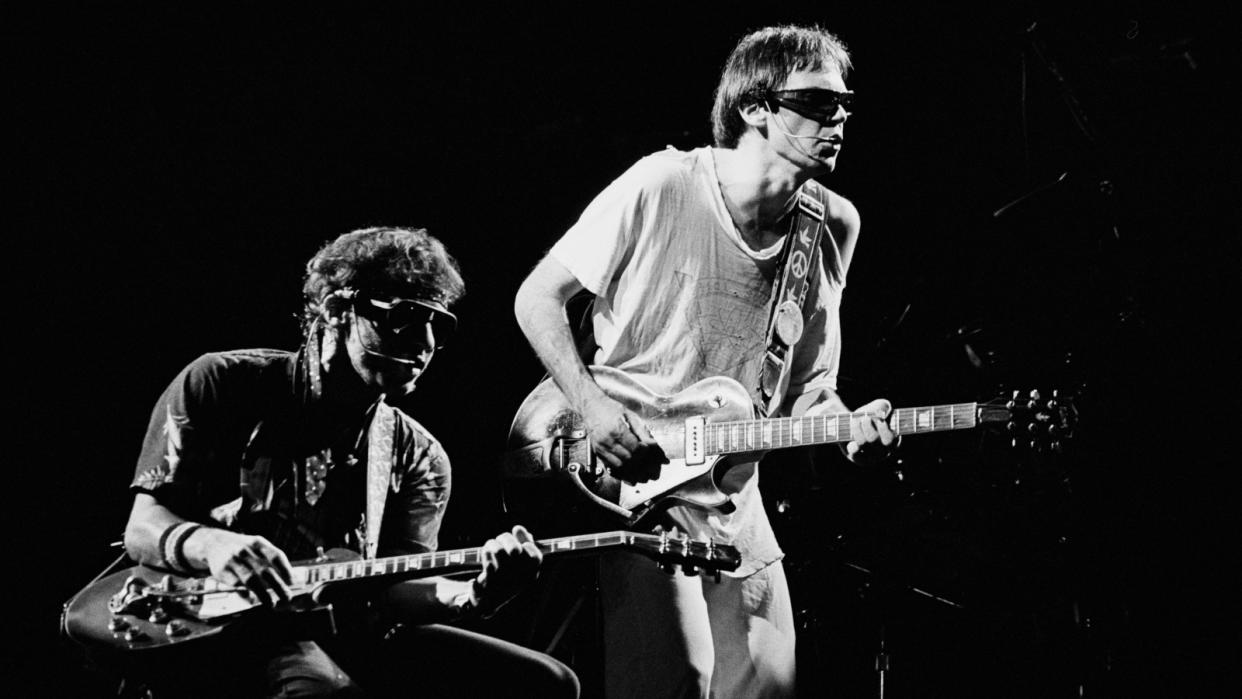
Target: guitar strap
[785,323]
[380,458]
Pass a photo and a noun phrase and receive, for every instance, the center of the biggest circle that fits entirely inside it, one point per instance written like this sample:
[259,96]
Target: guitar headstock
[692,556]
[1032,419]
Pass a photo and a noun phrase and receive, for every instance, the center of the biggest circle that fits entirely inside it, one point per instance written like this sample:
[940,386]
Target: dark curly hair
[761,62]
[398,262]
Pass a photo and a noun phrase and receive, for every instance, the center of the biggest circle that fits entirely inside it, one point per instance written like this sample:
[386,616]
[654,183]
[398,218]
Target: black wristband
[162,544]
[178,545]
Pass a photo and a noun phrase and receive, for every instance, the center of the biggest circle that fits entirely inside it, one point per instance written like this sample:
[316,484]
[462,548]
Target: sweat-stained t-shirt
[680,297]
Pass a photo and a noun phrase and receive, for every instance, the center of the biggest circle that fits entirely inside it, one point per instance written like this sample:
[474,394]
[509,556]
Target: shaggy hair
[395,262]
[761,63]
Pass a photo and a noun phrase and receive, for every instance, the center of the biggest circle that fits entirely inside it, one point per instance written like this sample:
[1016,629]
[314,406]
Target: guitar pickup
[696,445]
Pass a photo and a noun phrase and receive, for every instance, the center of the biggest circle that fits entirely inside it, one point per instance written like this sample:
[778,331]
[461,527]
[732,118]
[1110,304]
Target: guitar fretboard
[778,433]
[452,560]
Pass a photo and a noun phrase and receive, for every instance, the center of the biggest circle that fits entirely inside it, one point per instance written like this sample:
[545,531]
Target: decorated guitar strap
[379,470]
[381,453]
[785,322]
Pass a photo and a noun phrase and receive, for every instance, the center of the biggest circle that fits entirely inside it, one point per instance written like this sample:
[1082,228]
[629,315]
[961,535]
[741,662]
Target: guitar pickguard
[545,421]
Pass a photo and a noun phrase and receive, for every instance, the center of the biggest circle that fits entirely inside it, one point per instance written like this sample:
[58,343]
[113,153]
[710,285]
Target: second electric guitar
[706,429]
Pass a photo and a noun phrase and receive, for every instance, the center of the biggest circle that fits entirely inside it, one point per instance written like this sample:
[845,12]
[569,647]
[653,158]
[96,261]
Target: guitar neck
[741,436]
[450,561]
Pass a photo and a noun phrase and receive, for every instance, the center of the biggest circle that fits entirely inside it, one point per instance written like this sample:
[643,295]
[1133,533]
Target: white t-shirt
[680,297]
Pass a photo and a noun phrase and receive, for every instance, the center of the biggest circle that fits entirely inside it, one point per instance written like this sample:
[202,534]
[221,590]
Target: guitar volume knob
[176,627]
[116,624]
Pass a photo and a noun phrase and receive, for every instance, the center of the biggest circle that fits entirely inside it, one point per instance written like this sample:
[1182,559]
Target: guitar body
[548,440]
[128,611]
[87,618]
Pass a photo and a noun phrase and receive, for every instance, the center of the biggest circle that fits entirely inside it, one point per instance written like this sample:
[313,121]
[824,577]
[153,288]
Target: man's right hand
[622,441]
[242,559]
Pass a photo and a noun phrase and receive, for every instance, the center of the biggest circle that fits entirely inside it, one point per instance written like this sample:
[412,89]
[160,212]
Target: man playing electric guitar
[682,253]
[256,458]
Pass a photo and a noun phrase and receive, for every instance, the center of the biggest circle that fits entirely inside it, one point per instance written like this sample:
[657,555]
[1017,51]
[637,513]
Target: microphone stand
[879,592]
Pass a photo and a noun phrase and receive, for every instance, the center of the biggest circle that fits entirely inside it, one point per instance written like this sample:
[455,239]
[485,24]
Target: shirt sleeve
[414,513]
[181,435]
[602,241]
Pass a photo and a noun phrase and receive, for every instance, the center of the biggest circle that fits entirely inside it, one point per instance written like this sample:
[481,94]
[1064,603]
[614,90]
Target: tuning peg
[1035,394]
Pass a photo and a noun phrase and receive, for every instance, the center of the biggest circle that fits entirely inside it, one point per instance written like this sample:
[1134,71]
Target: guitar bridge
[132,598]
[573,453]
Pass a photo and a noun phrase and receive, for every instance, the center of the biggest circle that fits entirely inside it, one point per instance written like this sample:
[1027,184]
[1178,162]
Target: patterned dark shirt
[234,440]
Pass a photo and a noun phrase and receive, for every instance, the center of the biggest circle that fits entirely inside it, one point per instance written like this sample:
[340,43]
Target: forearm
[157,536]
[540,311]
[151,537]
[148,521]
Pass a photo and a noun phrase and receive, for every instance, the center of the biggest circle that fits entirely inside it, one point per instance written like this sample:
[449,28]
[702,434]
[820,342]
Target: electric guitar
[140,610]
[704,430]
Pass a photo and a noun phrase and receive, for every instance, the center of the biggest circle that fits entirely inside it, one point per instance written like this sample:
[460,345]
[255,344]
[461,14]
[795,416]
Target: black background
[175,170]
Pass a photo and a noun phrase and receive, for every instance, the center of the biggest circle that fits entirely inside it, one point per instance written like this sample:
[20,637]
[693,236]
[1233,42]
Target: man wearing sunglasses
[681,253]
[256,458]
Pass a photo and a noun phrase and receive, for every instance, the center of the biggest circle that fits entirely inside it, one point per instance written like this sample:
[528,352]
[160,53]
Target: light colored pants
[674,635]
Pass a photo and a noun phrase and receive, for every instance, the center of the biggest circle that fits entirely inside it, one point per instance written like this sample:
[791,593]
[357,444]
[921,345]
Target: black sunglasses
[392,317]
[814,103]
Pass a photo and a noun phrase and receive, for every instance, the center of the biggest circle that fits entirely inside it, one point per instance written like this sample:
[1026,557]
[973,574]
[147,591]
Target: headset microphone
[336,303]
[376,353]
[387,357]
[780,126]
[779,123]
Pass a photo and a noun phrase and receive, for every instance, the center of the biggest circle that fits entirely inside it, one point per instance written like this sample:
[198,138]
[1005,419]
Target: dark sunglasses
[814,103]
[392,317]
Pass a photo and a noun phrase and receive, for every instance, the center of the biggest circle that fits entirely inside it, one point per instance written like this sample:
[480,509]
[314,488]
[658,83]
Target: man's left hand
[872,439]
[510,562]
